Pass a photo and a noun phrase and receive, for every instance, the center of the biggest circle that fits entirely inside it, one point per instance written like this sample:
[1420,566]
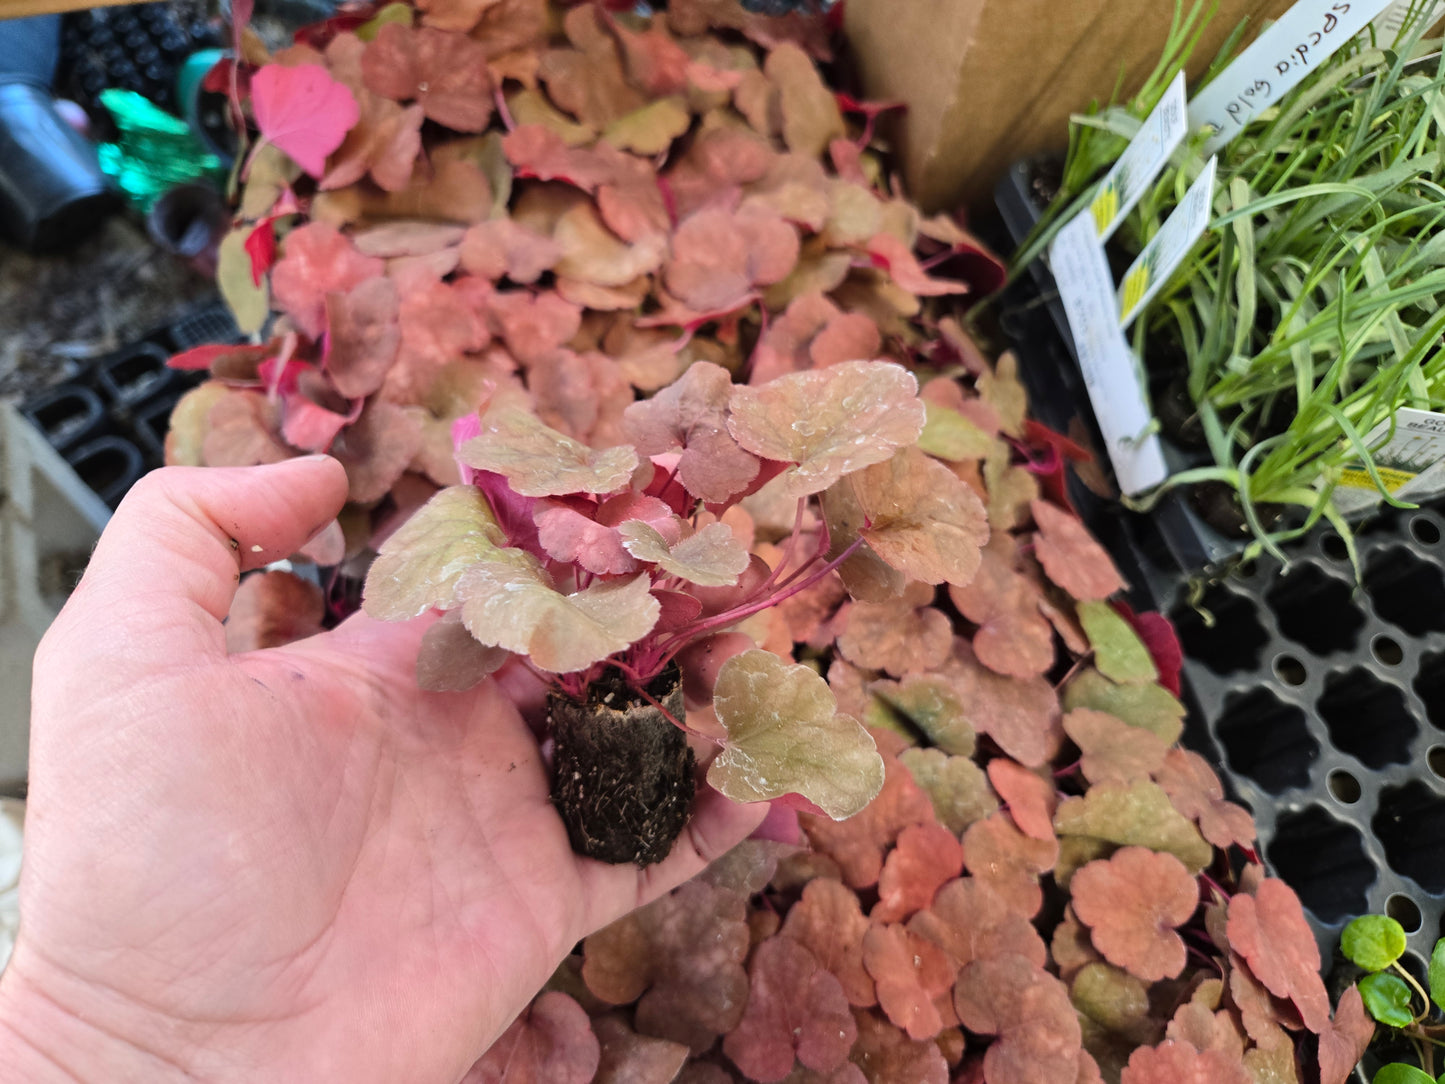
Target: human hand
[288,865]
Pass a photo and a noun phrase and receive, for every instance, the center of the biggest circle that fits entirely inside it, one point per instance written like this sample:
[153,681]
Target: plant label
[1169,247]
[1410,462]
[1305,36]
[1389,26]
[1125,184]
[1111,371]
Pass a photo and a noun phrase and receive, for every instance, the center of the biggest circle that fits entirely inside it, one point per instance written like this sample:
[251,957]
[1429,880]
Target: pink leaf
[303,111]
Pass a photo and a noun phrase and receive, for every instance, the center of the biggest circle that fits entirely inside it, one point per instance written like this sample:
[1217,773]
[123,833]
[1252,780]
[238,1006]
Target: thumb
[166,568]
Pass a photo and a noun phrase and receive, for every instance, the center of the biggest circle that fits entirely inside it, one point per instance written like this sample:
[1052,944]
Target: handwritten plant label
[1169,247]
[1279,59]
[1125,184]
[1111,372]
[1389,26]
[1411,463]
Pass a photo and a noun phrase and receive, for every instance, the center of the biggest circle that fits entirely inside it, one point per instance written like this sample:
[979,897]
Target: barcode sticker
[1169,247]
[1125,184]
[1305,35]
[1111,372]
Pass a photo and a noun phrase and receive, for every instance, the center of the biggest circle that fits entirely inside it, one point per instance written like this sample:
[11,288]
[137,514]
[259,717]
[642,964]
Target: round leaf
[1373,942]
[786,736]
[1400,1073]
[1387,997]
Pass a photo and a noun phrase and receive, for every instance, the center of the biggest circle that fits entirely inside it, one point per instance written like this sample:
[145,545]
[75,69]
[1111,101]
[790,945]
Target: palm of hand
[292,864]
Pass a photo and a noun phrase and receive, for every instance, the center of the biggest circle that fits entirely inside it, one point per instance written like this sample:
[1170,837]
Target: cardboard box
[988,82]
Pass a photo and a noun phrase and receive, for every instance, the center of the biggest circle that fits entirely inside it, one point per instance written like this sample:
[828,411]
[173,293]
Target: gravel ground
[59,311]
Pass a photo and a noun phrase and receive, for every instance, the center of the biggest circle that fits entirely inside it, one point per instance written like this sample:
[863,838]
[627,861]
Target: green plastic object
[155,151]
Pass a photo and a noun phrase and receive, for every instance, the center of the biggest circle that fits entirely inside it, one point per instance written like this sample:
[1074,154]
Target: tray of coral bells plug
[650,402]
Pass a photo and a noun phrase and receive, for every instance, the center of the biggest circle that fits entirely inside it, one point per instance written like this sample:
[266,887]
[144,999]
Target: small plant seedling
[617,576]
[1394,998]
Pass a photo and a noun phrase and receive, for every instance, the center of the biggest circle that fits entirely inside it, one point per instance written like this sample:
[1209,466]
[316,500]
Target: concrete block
[49,521]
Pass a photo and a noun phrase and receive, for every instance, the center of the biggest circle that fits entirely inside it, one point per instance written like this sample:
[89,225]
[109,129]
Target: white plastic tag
[1389,25]
[1283,55]
[1411,463]
[1111,373]
[1125,184]
[1168,248]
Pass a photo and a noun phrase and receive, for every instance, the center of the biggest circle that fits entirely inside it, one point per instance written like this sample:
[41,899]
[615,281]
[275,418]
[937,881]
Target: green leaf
[1387,997]
[1118,652]
[420,564]
[1373,942]
[1138,814]
[1400,1073]
[538,461]
[508,601]
[957,787]
[1151,707]
[1437,974]
[947,434]
[933,707]
[786,736]
[250,302]
[713,557]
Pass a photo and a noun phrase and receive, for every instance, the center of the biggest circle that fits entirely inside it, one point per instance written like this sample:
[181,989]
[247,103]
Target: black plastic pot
[135,374]
[66,415]
[52,190]
[109,466]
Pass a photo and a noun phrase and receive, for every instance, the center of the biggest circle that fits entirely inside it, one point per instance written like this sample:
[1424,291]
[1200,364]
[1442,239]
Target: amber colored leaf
[272,609]
[1133,902]
[897,637]
[363,336]
[921,518]
[1269,930]
[385,144]
[569,535]
[906,272]
[592,254]
[969,921]
[887,1055]
[720,257]
[1173,1062]
[317,260]
[681,958]
[242,286]
[1013,638]
[957,787]
[786,736]
[538,461]
[507,600]
[811,118]
[1200,1023]
[1197,793]
[550,1043]
[691,415]
[1008,861]
[1263,1015]
[1344,1042]
[1136,814]
[1119,654]
[1021,716]
[1114,751]
[588,81]
[829,922]
[857,844]
[712,557]
[796,1011]
[828,422]
[502,247]
[1071,557]
[242,430]
[450,658]
[932,705]
[1115,1000]
[419,565]
[948,434]
[651,129]
[926,857]
[1149,707]
[445,73]
[302,110]
[1031,799]
[910,972]
[1029,1010]
[632,1058]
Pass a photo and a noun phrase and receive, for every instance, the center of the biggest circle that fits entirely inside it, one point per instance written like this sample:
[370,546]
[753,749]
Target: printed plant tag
[1111,372]
[1304,36]
[1125,184]
[1389,26]
[1169,247]
[1411,464]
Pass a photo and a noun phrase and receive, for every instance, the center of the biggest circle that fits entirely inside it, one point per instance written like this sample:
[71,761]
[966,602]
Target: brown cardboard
[988,82]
